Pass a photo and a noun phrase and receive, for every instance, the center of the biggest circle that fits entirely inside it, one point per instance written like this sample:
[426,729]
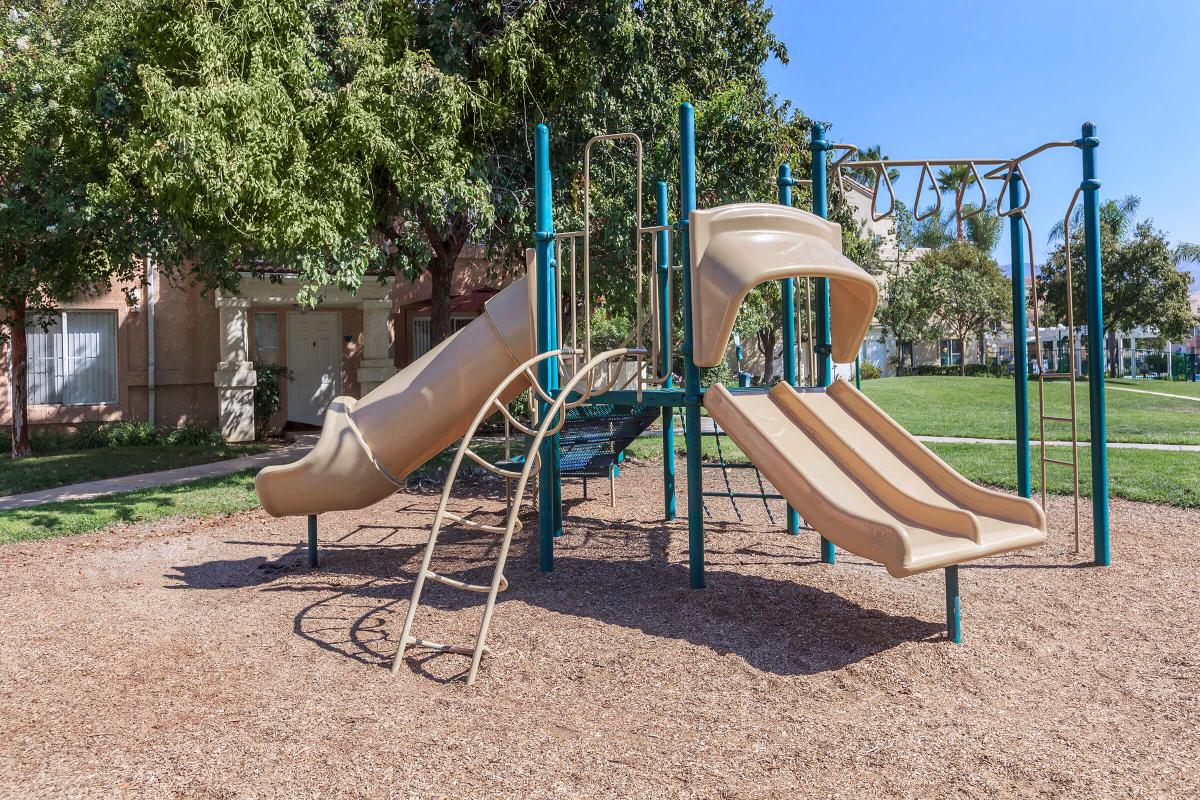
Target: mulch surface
[202,658]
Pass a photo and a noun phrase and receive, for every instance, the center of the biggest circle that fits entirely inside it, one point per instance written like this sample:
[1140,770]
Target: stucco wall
[186,352]
[188,346]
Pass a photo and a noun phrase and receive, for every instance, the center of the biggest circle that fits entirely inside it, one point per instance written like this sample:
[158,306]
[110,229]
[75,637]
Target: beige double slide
[866,484]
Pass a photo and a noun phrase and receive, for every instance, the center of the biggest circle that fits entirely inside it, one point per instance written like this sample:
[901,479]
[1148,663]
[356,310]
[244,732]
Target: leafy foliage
[969,293]
[1142,284]
[908,311]
[268,398]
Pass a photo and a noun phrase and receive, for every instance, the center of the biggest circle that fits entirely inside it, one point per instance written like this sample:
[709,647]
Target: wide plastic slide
[866,484]
[368,444]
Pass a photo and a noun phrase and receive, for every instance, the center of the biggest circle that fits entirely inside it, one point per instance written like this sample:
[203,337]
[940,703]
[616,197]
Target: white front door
[314,357]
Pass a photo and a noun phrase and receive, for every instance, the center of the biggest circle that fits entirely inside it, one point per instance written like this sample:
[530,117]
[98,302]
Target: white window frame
[258,349]
[62,358]
[457,323]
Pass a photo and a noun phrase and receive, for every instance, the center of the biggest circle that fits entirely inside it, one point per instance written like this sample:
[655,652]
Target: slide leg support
[953,606]
[793,521]
[312,541]
[828,554]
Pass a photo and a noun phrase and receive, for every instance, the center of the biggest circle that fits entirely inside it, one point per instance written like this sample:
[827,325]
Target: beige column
[235,378]
[377,365]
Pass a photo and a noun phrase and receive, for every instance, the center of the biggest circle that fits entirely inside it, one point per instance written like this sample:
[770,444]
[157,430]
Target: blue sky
[977,78]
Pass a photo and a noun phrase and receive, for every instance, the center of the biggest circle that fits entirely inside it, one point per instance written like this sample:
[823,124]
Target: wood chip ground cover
[202,659]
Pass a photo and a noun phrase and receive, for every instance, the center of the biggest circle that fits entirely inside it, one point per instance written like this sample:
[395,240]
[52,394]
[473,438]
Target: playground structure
[858,478]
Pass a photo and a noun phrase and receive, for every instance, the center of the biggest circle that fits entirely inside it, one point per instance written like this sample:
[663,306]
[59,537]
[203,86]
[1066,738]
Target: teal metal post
[1016,241]
[953,606]
[312,541]
[788,289]
[691,373]
[664,333]
[823,347]
[549,517]
[858,372]
[1095,338]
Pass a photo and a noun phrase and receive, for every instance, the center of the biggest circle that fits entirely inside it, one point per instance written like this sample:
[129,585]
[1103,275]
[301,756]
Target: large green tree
[292,135]
[1143,284]
[70,221]
[968,292]
[908,312]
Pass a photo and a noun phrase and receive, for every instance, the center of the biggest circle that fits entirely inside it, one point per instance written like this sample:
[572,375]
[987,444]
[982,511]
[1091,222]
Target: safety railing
[573,275]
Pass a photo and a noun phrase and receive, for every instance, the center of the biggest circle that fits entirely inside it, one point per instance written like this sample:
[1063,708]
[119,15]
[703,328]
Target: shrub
[868,371]
[193,434]
[721,373]
[126,433]
[973,370]
[267,396]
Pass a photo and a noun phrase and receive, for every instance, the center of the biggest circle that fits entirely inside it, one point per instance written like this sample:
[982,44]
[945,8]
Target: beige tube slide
[866,484]
[408,419]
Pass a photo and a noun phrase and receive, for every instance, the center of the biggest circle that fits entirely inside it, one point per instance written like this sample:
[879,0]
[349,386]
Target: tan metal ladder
[1069,374]
[571,394]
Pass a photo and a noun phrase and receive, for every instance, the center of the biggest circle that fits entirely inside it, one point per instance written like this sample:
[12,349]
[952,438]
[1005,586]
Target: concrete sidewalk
[1177,448]
[708,425]
[1147,391]
[149,480]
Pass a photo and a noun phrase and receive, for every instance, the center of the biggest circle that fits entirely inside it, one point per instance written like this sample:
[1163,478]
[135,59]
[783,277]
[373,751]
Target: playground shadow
[615,572]
[779,626]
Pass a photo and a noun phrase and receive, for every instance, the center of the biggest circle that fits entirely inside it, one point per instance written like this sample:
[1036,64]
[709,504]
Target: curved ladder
[549,425]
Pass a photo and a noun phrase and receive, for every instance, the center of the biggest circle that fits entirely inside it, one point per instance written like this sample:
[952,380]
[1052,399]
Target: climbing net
[713,430]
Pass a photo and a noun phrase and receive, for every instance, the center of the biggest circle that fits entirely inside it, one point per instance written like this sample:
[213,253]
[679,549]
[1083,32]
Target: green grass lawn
[934,406]
[1153,476]
[77,466]
[983,408]
[203,498]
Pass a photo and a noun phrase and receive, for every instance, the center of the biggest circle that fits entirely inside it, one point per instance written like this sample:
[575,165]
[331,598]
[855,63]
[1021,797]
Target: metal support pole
[1095,335]
[788,290]
[858,372]
[664,334]
[312,541]
[823,347]
[953,606]
[549,493]
[1016,240]
[691,373]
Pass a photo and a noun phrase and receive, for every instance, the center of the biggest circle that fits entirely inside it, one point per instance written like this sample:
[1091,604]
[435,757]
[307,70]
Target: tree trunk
[962,355]
[441,270]
[19,350]
[766,346]
[958,198]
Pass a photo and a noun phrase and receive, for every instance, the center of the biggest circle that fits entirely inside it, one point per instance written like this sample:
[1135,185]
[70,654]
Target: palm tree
[956,179]
[983,228]
[1118,216]
[868,176]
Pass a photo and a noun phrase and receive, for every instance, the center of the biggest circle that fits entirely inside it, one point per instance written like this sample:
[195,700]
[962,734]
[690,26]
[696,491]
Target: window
[419,340]
[266,337]
[74,360]
[951,350]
